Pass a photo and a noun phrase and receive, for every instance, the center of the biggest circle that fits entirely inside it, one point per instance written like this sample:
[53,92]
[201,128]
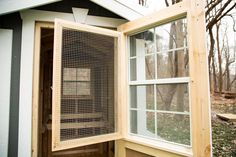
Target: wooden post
[200,95]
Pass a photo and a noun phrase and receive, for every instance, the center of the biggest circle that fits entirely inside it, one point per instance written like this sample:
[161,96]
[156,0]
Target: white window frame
[155,82]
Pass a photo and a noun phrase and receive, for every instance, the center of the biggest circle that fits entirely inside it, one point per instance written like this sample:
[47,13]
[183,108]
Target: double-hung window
[159,83]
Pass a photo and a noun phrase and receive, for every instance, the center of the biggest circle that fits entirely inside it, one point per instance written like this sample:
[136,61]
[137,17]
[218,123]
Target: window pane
[172,64]
[133,121]
[69,74]
[173,97]
[150,120]
[69,88]
[133,72]
[83,88]
[143,123]
[173,128]
[171,35]
[142,97]
[150,67]
[146,123]
[133,96]
[83,74]
[150,97]
[142,43]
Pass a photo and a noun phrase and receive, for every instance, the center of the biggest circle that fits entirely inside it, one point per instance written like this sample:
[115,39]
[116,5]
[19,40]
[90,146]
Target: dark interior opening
[105,149]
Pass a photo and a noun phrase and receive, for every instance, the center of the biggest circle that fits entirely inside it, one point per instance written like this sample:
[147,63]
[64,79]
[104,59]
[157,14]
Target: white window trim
[149,141]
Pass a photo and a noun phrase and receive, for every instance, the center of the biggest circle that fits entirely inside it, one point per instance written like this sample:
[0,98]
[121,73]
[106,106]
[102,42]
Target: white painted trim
[49,16]
[104,21]
[119,9]
[160,111]
[80,14]
[25,96]
[26,70]
[5,84]
[162,81]
[44,16]
[8,6]
[160,144]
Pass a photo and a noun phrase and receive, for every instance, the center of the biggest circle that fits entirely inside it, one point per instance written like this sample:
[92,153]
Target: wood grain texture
[36,86]
[199,85]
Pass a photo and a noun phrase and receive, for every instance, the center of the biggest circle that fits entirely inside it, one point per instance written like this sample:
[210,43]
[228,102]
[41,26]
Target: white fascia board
[119,9]
[50,16]
[8,6]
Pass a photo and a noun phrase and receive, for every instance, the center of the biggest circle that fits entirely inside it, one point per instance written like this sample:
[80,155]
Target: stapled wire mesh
[87,85]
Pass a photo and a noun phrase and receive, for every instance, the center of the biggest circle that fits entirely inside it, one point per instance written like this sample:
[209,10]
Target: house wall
[5,71]
[13,22]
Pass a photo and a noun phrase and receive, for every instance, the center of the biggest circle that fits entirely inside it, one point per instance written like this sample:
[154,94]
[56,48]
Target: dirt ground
[223,132]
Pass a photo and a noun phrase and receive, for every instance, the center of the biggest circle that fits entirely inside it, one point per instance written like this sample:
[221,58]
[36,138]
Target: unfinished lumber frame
[36,85]
[57,144]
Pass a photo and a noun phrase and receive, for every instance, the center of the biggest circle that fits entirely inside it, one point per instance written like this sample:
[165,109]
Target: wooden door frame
[36,85]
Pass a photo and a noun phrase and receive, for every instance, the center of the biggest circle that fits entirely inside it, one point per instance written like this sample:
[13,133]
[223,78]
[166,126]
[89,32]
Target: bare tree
[215,11]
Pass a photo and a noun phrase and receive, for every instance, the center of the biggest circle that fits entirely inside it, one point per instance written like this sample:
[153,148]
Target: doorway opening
[80,99]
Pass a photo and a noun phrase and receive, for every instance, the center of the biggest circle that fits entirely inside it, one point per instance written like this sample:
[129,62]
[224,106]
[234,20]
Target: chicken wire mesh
[87,105]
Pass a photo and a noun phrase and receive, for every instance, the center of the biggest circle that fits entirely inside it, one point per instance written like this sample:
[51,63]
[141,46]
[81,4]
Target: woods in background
[220,26]
[220,23]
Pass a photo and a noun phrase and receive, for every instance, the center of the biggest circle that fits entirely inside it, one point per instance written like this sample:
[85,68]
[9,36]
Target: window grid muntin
[160,81]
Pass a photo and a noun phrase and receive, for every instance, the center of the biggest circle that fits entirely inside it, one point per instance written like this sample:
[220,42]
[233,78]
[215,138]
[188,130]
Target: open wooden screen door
[85,88]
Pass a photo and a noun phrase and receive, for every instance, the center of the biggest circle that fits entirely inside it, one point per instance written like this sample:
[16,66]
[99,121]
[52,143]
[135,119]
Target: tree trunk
[220,78]
[180,65]
[211,58]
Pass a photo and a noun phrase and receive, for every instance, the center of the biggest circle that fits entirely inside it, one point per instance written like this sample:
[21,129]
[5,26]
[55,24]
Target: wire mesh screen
[87,85]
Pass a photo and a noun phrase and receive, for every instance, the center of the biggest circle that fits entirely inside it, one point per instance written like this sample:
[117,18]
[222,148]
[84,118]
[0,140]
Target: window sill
[169,147]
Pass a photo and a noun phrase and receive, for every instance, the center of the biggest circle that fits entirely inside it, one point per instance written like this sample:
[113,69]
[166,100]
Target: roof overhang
[120,7]
[9,6]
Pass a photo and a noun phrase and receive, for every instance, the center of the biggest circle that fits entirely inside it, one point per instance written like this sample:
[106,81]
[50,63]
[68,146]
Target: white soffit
[8,6]
[122,8]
